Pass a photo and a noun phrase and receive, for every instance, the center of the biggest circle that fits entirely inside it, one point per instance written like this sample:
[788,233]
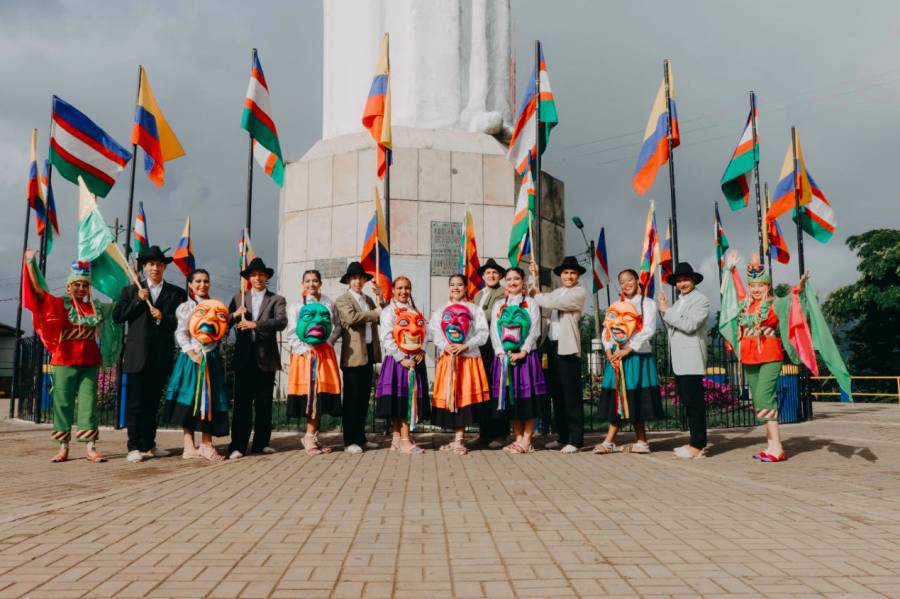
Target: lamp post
[595,342]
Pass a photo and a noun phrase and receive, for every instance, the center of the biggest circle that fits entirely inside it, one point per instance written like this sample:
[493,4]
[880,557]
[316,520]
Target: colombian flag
[655,147]
[376,252]
[377,113]
[152,132]
[183,256]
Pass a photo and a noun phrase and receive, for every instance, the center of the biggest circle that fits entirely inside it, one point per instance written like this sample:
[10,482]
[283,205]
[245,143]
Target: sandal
[771,459]
[209,452]
[457,446]
[636,447]
[413,449]
[95,456]
[514,448]
[190,454]
[605,448]
[312,446]
[61,456]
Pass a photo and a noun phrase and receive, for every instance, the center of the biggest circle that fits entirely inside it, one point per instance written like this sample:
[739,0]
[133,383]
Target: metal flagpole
[387,159]
[759,219]
[768,248]
[671,162]
[674,264]
[591,249]
[16,357]
[134,153]
[716,241]
[537,248]
[250,164]
[41,354]
[797,207]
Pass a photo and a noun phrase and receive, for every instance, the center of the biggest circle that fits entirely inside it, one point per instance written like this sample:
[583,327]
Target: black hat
[153,253]
[355,268]
[491,263]
[683,269]
[257,264]
[569,262]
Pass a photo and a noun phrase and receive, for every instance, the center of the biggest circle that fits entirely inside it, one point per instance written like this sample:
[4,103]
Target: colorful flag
[33,188]
[376,252]
[377,112]
[773,241]
[49,206]
[817,218]
[666,264]
[96,244]
[183,256]
[468,257]
[139,237]
[720,240]
[245,254]
[151,131]
[736,179]
[257,120]
[79,148]
[522,223]
[655,148]
[522,145]
[601,264]
[790,182]
[650,254]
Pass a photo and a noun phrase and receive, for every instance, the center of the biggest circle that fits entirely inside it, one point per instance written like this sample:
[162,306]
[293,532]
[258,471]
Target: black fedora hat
[257,264]
[569,262]
[491,263]
[684,269]
[153,253]
[353,269]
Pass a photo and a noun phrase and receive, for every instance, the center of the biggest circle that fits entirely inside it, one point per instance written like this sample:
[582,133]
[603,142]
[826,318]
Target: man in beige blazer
[360,351]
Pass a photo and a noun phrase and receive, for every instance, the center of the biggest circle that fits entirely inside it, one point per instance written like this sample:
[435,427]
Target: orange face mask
[621,322]
[209,322]
[409,330]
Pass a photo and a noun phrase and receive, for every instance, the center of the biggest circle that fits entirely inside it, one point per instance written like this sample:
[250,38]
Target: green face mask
[513,326]
[314,323]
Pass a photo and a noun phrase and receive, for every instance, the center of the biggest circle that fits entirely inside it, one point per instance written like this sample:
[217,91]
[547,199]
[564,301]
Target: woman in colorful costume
[80,335]
[401,393]
[518,384]
[765,331]
[196,398]
[460,383]
[314,378]
[630,386]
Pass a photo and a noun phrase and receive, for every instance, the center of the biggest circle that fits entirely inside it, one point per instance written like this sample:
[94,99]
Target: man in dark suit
[257,316]
[149,311]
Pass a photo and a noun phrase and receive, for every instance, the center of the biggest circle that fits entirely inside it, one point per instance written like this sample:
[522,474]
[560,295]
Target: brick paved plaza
[825,523]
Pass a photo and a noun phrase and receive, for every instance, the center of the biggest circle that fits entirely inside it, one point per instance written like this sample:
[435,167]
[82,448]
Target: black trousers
[357,390]
[568,400]
[252,394]
[690,392]
[143,397]
[491,423]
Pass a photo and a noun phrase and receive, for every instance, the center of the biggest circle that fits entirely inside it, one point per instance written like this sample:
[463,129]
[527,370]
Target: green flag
[729,310]
[96,244]
[823,341]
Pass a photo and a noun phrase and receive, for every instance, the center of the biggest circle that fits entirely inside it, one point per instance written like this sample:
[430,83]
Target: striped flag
[139,237]
[49,206]
[183,256]
[817,218]
[736,179]
[468,257]
[666,264]
[151,131]
[33,188]
[245,255]
[376,252]
[720,240]
[109,269]
[522,145]
[377,112]
[777,245]
[650,254]
[79,148]
[257,120]
[523,218]
[601,264]
[655,148]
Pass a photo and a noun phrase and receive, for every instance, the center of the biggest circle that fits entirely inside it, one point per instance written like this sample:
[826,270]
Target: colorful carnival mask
[409,330]
[455,323]
[513,326]
[622,321]
[209,322]
[314,323]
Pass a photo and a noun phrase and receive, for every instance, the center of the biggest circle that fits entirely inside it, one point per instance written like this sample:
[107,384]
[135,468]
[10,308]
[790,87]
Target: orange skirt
[469,384]
[328,375]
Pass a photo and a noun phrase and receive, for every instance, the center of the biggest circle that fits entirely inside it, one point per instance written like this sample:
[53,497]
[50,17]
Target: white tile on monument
[496,241]
[366,177]
[320,182]
[343,230]
[345,178]
[499,181]
[439,293]
[430,211]
[296,186]
[434,175]
[292,241]
[319,233]
[466,178]
[404,225]
[289,280]
[363,215]
[417,271]
[405,174]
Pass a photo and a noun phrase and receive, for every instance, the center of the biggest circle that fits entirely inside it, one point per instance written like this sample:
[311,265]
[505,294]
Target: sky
[828,68]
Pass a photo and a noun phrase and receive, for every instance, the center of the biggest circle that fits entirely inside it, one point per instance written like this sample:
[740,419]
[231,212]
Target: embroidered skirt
[198,403]
[316,368]
[460,390]
[518,389]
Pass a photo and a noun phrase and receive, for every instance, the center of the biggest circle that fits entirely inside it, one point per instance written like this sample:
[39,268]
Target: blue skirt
[641,387]
[180,403]
[529,387]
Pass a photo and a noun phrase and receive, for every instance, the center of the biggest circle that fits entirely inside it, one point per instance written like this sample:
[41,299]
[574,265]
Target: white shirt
[361,301]
[183,336]
[154,290]
[256,298]
[553,328]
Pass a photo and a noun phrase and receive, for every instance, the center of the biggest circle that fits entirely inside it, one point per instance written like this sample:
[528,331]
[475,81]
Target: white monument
[451,92]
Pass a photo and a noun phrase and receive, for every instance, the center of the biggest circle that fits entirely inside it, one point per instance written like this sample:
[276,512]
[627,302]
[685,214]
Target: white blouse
[297,346]
[183,336]
[534,333]
[386,330]
[640,341]
[475,338]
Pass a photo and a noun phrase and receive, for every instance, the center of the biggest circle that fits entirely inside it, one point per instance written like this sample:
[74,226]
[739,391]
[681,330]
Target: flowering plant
[716,395]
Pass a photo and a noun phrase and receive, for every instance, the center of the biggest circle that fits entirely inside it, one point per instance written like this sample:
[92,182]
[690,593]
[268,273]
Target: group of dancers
[502,355]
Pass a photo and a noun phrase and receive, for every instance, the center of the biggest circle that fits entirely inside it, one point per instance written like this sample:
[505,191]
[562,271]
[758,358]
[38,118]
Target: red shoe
[768,457]
[760,456]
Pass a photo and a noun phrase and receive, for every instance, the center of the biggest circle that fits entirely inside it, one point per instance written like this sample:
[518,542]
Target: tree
[868,311]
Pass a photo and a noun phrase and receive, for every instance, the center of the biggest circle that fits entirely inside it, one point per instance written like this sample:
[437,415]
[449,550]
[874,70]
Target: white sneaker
[354,449]
[553,445]
[268,450]
[370,445]
[569,449]
[134,456]
[235,455]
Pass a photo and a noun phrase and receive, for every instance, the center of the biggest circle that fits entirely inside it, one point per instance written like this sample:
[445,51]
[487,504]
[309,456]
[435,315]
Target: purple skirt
[392,390]
[528,384]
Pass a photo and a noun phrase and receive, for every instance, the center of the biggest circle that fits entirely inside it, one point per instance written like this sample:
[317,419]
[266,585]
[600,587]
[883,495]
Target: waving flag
[79,148]
[139,237]
[468,258]
[655,148]
[257,120]
[523,217]
[377,112]
[151,131]
[601,264]
[773,241]
[50,207]
[33,188]
[720,239]
[522,145]
[183,256]
[245,255]
[376,252]
[736,179]
[817,218]
[650,254]
[666,264]
[96,244]
[790,181]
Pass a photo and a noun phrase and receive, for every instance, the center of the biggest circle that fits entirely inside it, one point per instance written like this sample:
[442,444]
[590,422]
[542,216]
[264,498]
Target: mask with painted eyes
[513,325]
[314,323]
[409,330]
[455,322]
[621,322]
[209,322]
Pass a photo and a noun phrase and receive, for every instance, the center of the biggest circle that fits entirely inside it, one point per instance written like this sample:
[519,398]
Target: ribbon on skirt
[412,412]
[203,391]
[312,404]
[621,390]
[452,384]
[507,387]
